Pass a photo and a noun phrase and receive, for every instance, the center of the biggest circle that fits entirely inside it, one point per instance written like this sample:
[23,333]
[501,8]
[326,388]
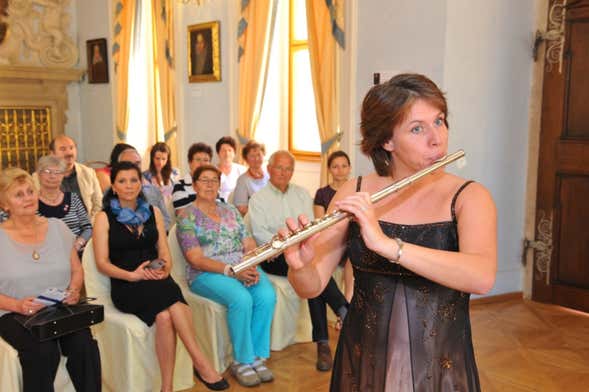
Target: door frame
[534,127]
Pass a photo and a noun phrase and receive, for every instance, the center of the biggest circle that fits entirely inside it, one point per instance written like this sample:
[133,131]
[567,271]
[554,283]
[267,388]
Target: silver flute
[277,245]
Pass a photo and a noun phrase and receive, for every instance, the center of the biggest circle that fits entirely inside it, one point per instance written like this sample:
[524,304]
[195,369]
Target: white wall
[95,102]
[487,76]
[206,110]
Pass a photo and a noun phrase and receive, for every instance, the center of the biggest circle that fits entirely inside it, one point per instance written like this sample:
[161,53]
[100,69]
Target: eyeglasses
[205,160]
[51,171]
[207,181]
[283,169]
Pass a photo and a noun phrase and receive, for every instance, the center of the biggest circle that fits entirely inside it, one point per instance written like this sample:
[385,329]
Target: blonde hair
[10,177]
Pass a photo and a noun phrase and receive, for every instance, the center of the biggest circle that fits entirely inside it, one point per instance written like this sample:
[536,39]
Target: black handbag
[58,320]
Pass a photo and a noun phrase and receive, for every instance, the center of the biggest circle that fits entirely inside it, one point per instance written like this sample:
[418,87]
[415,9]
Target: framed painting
[97,60]
[204,60]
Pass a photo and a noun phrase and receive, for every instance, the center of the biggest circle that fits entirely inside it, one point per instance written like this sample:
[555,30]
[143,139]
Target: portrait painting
[204,63]
[97,60]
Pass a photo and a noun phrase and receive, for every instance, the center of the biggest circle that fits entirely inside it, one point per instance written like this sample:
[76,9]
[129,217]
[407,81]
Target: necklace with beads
[51,200]
[254,175]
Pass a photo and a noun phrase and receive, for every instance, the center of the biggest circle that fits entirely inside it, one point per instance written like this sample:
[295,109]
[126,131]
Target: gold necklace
[36,255]
[51,200]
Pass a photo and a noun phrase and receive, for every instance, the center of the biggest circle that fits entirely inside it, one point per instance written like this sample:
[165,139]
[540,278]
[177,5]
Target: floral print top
[220,241]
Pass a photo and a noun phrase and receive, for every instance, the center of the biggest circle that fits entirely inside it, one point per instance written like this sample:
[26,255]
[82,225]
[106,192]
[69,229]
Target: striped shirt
[72,212]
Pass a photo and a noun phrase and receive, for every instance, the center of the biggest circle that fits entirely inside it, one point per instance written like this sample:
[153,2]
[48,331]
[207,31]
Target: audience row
[131,213]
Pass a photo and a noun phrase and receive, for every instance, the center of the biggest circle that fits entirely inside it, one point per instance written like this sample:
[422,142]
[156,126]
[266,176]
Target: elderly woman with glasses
[213,237]
[67,206]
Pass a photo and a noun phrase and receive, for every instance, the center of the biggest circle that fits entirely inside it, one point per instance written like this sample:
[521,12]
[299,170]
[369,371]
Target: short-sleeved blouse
[220,241]
[323,196]
[22,276]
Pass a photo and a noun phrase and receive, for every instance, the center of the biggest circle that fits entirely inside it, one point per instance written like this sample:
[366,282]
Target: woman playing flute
[417,255]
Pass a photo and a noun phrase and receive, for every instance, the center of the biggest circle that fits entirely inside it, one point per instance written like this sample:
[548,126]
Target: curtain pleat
[165,74]
[124,20]
[254,36]
[321,17]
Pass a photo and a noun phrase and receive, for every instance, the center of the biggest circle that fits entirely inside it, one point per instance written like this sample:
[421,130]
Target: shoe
[245,374]
[324,361]
[263,372]
[214,386]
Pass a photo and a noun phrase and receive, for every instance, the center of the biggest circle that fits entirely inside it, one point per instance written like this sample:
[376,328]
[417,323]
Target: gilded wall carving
[37,34]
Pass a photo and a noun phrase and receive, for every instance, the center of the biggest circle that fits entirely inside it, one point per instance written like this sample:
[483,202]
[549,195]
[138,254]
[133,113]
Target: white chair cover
[210,318]
[127,345]
[11,373]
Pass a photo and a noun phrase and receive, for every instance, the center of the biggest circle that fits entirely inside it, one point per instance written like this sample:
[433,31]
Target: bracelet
[227,270]
[400,243]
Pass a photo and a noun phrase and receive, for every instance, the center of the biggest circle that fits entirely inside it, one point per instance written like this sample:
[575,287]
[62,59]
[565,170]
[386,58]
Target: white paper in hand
[51,296]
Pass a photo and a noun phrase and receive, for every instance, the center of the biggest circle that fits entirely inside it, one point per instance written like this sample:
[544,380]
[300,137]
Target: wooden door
[561,268]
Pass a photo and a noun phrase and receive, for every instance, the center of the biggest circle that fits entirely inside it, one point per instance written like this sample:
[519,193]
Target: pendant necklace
[36,255]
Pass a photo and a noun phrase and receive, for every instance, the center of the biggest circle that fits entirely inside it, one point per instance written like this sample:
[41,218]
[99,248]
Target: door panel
[561,269]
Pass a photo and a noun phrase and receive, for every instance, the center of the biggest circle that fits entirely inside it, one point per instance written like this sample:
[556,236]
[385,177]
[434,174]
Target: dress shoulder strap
[452,209]
[358,183]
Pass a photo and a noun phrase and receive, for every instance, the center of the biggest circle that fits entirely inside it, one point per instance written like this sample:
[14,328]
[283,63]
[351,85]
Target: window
[289,101]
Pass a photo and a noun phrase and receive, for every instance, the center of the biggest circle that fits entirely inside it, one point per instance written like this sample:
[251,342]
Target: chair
[210,318]
[127,345]
[11,373]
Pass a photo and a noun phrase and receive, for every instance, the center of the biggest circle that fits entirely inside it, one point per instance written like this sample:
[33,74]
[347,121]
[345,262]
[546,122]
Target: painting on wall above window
[204,60]
[97,60]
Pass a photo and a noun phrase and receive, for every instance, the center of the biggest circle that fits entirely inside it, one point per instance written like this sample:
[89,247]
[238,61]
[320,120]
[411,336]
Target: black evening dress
[404,332]
[127,250]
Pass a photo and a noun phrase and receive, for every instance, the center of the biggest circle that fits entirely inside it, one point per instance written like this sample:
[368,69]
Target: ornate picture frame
[204,58]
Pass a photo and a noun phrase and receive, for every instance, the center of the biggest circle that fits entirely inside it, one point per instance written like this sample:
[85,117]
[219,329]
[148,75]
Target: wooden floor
[520,346]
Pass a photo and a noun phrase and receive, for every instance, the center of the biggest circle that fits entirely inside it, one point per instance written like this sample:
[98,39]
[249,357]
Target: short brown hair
[252,145]
[386,105]
[199,147]
[10,177]
[203,168]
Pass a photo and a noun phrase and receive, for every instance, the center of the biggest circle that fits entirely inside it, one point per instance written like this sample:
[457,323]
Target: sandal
[245,374]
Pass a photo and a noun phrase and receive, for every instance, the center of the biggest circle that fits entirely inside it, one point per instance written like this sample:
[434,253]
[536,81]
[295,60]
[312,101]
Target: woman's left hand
[360,205]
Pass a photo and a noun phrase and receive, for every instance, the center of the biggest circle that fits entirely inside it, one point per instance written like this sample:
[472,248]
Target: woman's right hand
[249,276]
[28,306]
[298,255]
[142,273]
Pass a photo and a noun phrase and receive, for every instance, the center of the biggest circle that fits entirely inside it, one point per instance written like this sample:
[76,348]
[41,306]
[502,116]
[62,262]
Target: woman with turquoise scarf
[129,235]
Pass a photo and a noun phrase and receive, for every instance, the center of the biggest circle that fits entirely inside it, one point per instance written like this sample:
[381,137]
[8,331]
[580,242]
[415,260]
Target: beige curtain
[254,37]
[324,23]
[124,21]
[165,75]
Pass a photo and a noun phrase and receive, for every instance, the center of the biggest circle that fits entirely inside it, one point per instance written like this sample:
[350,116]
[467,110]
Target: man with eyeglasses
[79,178]
[183,193]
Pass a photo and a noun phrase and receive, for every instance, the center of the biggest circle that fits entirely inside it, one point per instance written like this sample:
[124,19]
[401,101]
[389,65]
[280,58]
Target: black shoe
[215,386]
[324,361]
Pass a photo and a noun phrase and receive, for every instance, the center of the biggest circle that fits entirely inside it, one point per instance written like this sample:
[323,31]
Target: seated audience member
[268,209]
[213,237]
[254,179]
[38,254]
[129,234]
[67,206]
[78,178]
[151,192]
[230,170]
[160,173]
[184,193]
[338,165]
[103,173]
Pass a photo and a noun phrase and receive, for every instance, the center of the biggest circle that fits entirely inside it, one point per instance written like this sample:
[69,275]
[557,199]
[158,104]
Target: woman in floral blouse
[213,237]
